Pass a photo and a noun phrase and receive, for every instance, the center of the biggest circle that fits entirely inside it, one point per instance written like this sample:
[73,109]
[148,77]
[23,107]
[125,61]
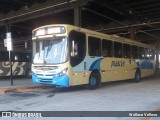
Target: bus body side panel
[79,78]
[147,67]
[146,72]
[111,69]
[117,69]
[81,72]
[18,68]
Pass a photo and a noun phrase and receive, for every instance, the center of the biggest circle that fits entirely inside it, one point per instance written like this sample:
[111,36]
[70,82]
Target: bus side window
[134,52]
[107,48]
[141,53]
[28,57]
[127,50]
[152,54]
[4,56]
[118,50]
[16,58]
[94,46]
[147,56]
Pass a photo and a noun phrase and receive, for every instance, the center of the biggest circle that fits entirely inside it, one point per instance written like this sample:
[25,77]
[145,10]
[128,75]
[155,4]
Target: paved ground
[114,96]
[19,84]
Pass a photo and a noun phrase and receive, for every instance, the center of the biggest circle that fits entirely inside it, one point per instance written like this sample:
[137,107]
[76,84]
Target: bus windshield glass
[50,50]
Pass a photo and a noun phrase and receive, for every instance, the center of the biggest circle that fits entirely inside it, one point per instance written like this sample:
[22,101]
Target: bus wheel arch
[94,80]
[137,75]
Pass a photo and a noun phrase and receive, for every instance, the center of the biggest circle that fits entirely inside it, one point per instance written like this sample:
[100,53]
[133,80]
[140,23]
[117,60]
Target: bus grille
[45,81]
[45,75]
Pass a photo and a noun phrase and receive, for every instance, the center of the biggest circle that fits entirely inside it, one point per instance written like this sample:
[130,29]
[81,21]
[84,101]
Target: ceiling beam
[12,2]
[38,10]
[133,3]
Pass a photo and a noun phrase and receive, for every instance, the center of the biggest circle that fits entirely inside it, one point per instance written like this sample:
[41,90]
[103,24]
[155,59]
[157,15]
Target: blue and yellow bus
[66,55]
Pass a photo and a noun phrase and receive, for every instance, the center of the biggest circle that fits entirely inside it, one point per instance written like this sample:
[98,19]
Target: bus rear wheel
[94,81]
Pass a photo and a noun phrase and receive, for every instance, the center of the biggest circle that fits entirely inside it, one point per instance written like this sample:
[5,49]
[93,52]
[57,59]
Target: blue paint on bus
[58,81]
[95,65]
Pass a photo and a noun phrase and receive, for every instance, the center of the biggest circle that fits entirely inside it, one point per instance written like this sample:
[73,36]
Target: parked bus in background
[21,63]
[66,55]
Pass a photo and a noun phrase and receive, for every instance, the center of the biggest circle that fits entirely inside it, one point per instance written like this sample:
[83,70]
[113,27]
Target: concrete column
[132,33]
[8,29]
[77,16]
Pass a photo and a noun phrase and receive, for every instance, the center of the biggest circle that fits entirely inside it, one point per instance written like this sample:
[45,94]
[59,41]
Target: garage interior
[137,20]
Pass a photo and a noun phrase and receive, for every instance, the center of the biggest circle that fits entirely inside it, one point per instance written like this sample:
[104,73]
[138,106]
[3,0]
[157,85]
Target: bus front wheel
[94,81]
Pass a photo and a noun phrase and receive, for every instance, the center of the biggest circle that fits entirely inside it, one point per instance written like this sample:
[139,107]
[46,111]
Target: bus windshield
[50,50]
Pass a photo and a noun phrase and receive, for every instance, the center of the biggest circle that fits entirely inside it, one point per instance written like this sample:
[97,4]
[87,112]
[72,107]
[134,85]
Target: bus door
[77,51]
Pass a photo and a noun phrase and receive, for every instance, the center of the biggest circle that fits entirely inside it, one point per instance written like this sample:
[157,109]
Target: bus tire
[94,81]
[27,73]
[137,76]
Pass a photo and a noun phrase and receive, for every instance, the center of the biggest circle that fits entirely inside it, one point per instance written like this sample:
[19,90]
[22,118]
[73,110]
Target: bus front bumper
[57,81]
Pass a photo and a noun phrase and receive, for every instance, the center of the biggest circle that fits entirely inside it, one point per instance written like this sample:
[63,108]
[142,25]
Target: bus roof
[100,35]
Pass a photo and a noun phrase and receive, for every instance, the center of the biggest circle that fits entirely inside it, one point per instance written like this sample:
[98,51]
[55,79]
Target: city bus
[21,63]
[66,55]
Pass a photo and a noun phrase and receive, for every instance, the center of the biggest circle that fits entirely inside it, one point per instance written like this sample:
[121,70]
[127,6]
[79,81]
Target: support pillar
[10,60]
[77,16]
[132,33]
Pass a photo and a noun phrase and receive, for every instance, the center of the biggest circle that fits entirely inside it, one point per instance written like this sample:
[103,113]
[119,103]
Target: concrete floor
[113,96]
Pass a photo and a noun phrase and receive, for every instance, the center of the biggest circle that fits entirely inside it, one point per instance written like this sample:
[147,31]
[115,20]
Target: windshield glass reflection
[51,51]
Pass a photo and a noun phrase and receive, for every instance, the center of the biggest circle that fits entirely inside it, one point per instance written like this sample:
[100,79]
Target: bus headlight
[63,72]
